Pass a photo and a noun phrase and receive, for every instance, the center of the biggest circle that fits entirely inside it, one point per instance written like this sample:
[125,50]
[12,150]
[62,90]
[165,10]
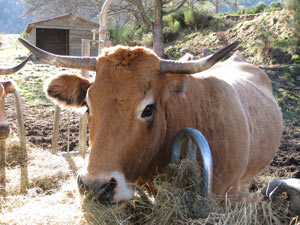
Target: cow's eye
[148,111]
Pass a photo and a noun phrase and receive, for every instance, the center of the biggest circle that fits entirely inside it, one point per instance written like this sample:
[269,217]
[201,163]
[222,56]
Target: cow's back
[233,106]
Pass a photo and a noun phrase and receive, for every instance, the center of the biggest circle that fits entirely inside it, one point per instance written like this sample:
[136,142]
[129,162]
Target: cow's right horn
[75,62]
[8,71]
[195,66]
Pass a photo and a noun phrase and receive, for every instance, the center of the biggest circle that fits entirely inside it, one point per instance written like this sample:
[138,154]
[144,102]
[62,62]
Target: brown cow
[7,87]
[138,102]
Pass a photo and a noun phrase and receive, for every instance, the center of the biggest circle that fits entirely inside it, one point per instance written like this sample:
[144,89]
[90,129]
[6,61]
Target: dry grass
[52,198]
[179,201]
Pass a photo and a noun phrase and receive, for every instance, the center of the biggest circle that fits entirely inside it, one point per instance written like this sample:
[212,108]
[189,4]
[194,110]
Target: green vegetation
[262,44]
[261,7]
[274,6]
[121,35]
[172,27]
[25,35]
[294,5]
[184,20]
[286,99]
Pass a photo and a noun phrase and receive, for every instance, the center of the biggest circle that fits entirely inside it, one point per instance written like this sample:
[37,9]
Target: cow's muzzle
[102,192]
[4,131]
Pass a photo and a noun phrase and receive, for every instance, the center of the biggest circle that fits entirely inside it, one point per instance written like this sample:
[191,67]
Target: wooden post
[2,168]
[21,132]
[2,161]
[85,51]
[55,130]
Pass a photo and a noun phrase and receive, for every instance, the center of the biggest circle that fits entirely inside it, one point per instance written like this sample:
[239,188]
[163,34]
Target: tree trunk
[217,6]
[158,42]
[235,5]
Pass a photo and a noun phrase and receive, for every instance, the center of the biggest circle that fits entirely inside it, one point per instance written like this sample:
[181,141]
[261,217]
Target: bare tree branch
[174,10]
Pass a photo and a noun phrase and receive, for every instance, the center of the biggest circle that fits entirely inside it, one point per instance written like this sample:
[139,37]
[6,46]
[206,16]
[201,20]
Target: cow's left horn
[14,69]
[195,66]
[75,62]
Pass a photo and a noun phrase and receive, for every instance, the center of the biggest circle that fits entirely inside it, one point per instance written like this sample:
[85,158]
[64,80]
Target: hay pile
[179,201]
[53,198]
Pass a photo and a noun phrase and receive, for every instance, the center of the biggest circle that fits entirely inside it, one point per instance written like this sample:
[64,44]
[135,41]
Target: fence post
[85,51]
[21,132]
[55,129]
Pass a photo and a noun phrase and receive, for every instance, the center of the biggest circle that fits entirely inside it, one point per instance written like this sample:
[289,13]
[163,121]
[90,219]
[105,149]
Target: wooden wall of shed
[75,42]
[32,36]
[67,22]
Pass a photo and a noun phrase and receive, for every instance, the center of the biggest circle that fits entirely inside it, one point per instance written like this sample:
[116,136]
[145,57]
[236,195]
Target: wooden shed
[62,35]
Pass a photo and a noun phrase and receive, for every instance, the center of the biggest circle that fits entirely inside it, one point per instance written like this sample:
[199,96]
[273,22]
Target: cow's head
[7,87]
[126,104]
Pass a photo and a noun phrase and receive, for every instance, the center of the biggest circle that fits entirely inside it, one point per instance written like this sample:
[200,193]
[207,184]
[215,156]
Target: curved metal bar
[207,163]
[191,149]
[21,131]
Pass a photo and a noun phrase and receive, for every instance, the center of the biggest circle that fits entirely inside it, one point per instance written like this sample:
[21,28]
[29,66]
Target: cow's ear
[173,84]
[9,86]
[69,90]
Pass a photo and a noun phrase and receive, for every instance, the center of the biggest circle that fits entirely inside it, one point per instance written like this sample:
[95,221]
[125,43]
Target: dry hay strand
[179,201]
[52,196]
[46,172]
[60,208]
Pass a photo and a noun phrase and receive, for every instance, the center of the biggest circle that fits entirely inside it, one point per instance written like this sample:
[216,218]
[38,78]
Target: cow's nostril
[104,192]
[110,186]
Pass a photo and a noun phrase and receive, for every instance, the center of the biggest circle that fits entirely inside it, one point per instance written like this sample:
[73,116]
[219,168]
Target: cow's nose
[4,131]
[103,192]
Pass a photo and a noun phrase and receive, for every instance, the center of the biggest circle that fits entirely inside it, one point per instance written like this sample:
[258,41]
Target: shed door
[53,40]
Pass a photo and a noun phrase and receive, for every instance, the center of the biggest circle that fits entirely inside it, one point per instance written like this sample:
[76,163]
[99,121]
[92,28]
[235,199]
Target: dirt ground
[39,112]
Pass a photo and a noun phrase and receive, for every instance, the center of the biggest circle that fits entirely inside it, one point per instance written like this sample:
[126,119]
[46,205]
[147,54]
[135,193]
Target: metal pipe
[204,150]
[191,149]
[21,131]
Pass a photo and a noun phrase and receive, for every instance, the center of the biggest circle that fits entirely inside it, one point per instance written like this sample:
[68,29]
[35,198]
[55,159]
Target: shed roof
[69,17]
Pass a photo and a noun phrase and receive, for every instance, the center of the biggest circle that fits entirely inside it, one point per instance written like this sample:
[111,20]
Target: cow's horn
[194,66]
[14,69]
[76,62]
